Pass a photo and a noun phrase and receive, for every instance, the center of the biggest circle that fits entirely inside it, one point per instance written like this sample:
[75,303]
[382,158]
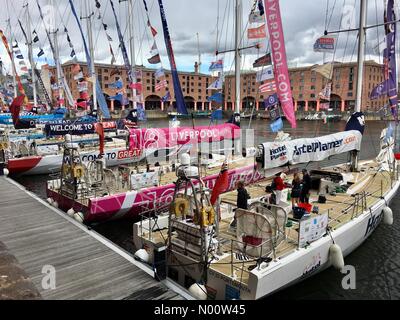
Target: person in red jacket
[278,185]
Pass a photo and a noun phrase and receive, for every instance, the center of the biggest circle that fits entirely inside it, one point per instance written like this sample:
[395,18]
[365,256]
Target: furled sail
[63,80]
[180,102]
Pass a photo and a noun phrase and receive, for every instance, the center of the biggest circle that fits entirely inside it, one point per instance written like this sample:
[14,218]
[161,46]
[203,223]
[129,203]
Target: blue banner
[271,101]
[217,97]
[99,93]
[277,125]
[180,101]
[391,77]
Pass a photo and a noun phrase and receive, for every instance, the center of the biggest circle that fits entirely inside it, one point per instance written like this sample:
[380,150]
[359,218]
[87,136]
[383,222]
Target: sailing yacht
[274,245]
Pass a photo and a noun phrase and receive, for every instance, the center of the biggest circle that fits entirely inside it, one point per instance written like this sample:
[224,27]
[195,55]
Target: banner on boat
[275,28]
[157,138]
[277,154]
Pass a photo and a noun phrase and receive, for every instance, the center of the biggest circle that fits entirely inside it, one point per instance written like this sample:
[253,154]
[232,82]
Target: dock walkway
[87,266]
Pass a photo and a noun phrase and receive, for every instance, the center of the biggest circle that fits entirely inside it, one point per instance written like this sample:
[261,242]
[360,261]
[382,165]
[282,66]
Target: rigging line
[377,32]
[326,14]
[223,24]
[330,18]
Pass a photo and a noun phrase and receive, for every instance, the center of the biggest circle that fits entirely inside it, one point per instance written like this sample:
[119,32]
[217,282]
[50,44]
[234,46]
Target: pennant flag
[20,56]
[36,39]
[325,44]
[155,59]
[256,17]
[141,113]
[265,74]
[109,37]
[72,53]
[159,73]
[263,61]
[261,7]
[221,184]
[162,84]
[326,70]
[217,97]
[326,92]
[257,33]
[153,31]
[217,115]
[380,90]
[98,5]
[216,85]
[15,46]
[324,106]
[136,86]
[81,104]
[217,65]
[271,101]
[105,26]
[274,112]
[277,125]
[167,97]
[41,52]
[24,69]
[117,84]
[269,86]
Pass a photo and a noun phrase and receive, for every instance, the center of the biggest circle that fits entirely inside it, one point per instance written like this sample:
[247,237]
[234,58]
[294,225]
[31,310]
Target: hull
[36,165]
[305,262]
[131,204]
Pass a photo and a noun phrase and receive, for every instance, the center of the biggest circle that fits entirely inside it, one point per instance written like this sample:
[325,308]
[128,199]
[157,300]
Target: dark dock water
[377,261]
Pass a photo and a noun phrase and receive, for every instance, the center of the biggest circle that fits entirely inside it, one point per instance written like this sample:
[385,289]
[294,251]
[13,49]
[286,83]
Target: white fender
[387,216]
[198,291]
[6,172]
[336,256]
[49,200]
[142,255]
[79,217]
[55,204]
[71,212]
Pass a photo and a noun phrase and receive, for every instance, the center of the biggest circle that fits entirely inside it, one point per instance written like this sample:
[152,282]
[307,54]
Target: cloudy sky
[304,22]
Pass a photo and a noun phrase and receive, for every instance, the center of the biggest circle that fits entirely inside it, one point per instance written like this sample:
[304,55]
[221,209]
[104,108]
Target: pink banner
[274,22]
[148,138]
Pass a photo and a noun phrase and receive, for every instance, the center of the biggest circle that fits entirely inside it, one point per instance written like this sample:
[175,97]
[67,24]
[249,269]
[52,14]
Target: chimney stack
[196,67]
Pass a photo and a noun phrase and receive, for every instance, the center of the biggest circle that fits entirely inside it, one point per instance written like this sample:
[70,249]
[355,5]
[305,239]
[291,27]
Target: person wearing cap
[306,187]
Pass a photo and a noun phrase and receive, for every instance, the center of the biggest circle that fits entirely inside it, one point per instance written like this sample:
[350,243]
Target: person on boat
[278,185]
[242,200]
[271,196]
[296,189]
[306,187]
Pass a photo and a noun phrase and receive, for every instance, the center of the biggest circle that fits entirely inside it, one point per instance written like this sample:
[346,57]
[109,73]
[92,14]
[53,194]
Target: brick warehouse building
[306,85]
[194,84]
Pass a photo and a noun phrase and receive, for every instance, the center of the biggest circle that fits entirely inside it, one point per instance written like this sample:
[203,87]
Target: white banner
[312,229]
[277,154]
[266,73]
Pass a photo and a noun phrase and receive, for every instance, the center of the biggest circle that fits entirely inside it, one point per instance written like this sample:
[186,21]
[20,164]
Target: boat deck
[87,265]
[369,186]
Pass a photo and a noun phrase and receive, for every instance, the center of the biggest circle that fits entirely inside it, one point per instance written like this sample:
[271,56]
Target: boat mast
[238,35]
[56,56]
[91,50]
[360,70]
[132,51]
[30,53]
[12,58]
